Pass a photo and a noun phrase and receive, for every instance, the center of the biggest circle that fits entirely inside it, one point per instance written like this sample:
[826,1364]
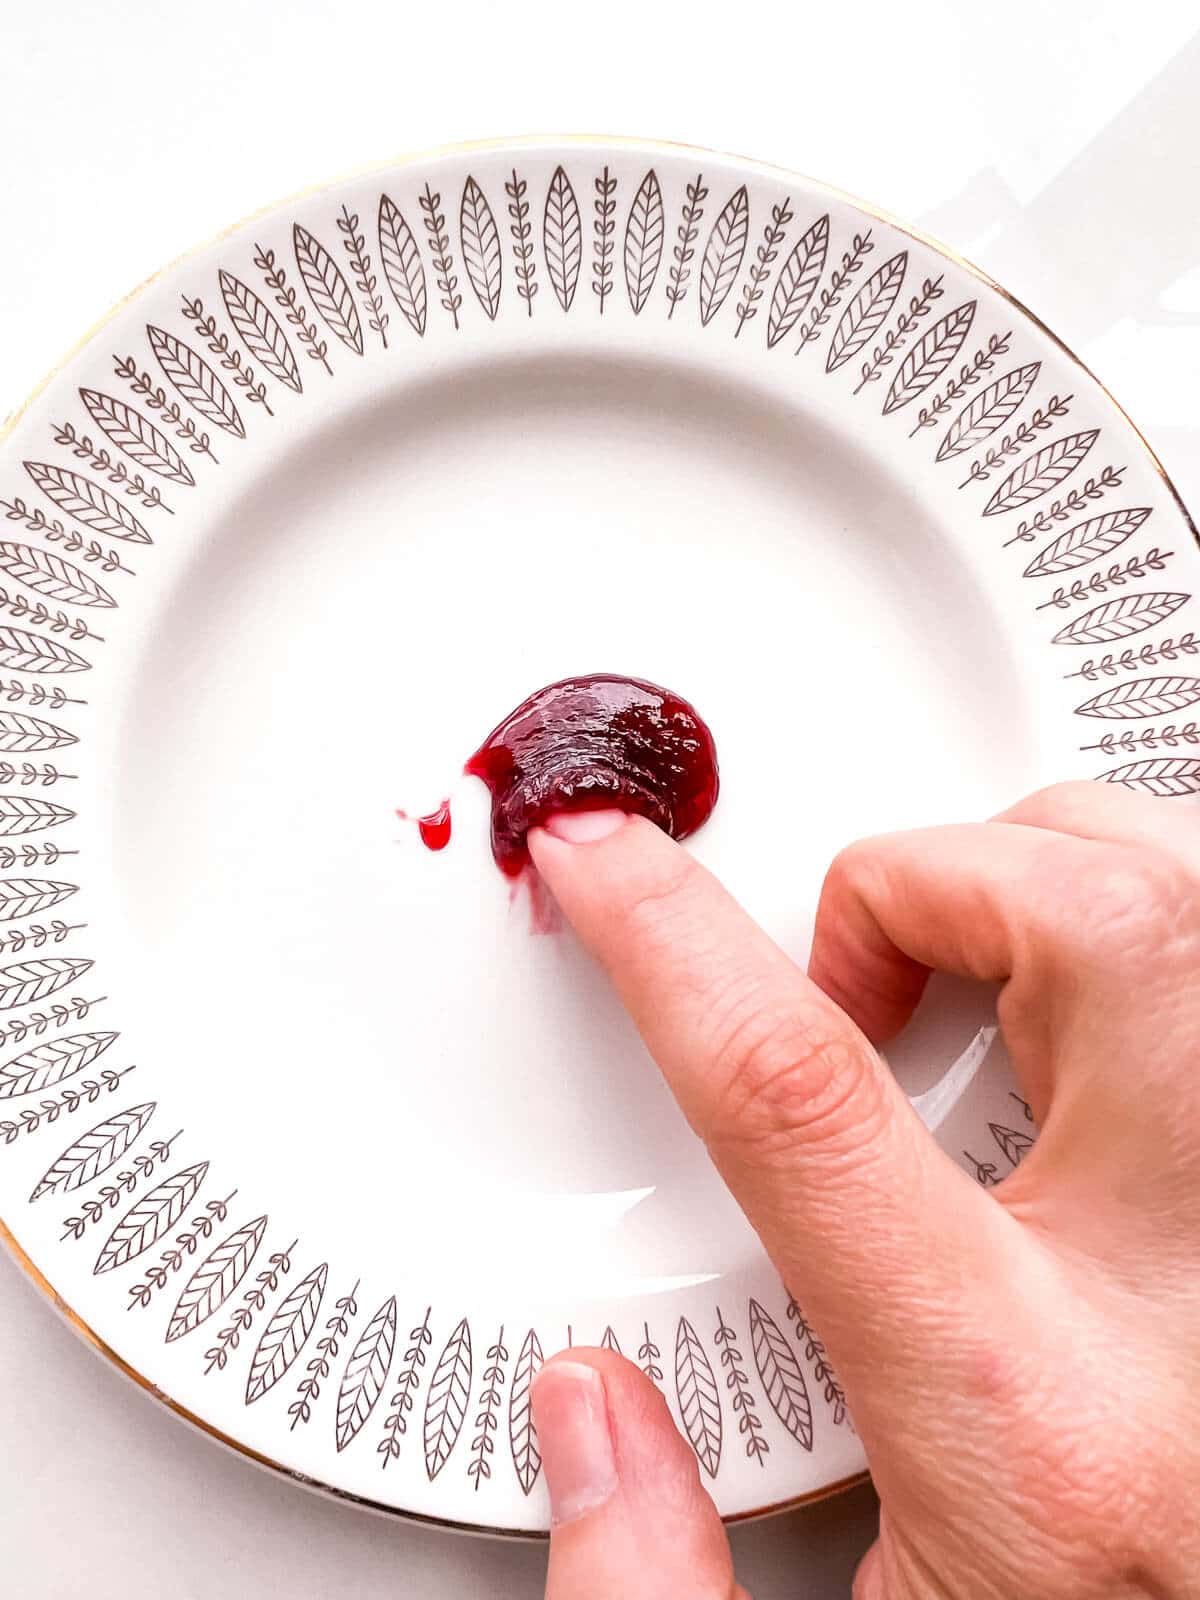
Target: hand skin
[1023,1362]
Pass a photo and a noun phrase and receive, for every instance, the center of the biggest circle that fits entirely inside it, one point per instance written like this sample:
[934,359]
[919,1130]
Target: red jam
[435,828]
[591,744]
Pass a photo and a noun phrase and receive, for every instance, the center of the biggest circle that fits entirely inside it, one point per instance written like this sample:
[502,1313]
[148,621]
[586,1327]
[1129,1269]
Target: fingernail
[584,827]
[570,1411]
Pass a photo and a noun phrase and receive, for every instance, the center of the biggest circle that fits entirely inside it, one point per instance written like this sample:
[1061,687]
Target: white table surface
[1056,144]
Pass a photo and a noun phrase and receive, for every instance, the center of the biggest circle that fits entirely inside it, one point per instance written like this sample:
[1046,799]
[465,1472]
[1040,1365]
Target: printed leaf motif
[604,207]
[773,234]
[31,652]
[49,1064]
[137,436]
[521,232]
[867,312]
[355,245]
[446,1402]
[19,814]
[722,260]
[781,1376]
[86,501]
[1166,776]
[1142,697]
[1041,472]
[24,734]
[287,1332]
[562,236]
[1015,1143]
[196,381]
[95,1152]
[481,247]
[609,1341]
[699,1397]
[329,290]
[439,245]
[48,574]
[1117,619]
[1086,541]
[28,981]
[152,1216]
[929,357]
[366,1373]
[402,265]
[797,281]
[815,1351]
[741,1393]
[644,234]
[483,1446]
[294,309]
[215,1279]
[22,897]
[260,330]
[522,1438]
[408,1381]
[989,410]
[884,353]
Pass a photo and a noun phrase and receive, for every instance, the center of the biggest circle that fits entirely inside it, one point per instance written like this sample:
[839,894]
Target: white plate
[302,1124]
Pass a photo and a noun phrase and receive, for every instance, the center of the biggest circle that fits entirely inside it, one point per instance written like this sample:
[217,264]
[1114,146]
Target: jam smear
[596,743]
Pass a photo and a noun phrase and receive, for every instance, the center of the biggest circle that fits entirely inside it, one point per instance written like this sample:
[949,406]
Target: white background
[1055,143]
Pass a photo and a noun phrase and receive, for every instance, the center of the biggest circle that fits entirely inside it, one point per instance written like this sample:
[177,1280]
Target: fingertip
[571,835]
[570,1412]
[583,827]
[598,870]
[652,1458]
[635,1405]
[618,1472]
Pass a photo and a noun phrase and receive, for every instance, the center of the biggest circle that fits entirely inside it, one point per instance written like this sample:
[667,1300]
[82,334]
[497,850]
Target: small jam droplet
[434,829]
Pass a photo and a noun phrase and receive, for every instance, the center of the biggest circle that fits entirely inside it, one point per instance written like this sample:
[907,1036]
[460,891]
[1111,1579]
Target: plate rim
[526,141]
[409,158]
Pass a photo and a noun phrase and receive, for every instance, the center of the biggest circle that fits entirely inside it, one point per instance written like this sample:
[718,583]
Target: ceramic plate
[304,1124]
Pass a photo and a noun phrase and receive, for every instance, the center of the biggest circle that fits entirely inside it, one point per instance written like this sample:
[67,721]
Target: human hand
[1057,1453]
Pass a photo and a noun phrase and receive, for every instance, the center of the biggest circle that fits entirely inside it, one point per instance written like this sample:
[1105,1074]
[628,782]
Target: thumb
[629,1514]
[881,1236]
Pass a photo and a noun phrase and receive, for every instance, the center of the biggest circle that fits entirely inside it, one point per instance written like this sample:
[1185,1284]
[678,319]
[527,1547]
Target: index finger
[868,1221]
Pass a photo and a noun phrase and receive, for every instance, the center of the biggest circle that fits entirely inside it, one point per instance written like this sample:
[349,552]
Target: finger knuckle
[1079,1496]
[1059,805]
[868,1578]
[1141,900]
[854,872]
[793,1081]
[1080,1478]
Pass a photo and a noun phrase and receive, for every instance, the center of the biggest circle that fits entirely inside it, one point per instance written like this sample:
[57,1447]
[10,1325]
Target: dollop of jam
[591,744]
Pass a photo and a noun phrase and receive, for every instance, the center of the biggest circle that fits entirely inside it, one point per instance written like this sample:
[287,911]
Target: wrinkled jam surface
[596,743]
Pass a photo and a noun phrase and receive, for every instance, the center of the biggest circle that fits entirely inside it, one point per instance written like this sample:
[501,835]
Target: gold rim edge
[410,158]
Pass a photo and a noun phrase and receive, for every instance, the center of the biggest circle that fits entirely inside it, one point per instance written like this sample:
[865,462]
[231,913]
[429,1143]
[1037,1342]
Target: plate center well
[371,1033]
